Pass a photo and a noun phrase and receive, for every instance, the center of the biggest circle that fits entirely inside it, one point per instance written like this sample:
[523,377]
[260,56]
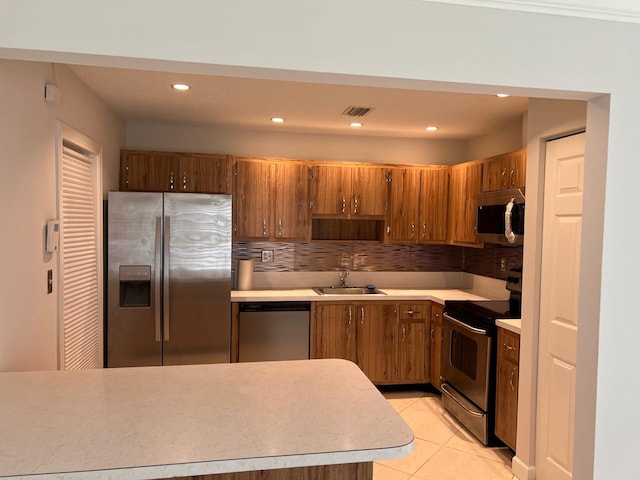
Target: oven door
[466,356]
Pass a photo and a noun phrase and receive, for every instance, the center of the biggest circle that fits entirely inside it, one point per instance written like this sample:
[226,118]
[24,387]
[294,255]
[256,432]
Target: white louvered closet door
[80,297]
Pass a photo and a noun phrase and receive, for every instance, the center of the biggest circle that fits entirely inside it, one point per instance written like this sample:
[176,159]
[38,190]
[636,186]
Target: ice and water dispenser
[135,286]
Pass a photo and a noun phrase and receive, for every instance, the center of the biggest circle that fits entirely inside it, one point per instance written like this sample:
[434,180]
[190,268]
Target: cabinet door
[507,387]
[436,344]
[412,351]
[204,174]
[331,190]
[517,164]
[434,197]
[368,191]
[148,171]
[252,200]
[464,186]
[335,331]
[404,203]
[291,186]
[377,341]
[495,173]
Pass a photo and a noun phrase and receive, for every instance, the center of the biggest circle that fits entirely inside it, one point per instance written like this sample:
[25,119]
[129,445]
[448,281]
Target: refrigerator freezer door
[197,275]
[134,263]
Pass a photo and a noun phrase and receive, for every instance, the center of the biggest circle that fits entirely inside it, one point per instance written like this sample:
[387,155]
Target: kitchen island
[184,421]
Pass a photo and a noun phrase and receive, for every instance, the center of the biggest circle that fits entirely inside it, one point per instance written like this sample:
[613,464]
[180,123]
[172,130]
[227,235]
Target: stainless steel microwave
[500,217]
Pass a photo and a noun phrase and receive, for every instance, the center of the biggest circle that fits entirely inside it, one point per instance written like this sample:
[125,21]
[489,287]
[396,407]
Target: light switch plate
[267,256]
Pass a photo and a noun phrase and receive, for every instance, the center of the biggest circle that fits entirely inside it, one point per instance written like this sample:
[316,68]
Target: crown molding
[611,10]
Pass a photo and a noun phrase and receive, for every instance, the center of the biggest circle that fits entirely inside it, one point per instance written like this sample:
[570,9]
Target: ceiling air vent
[356,111]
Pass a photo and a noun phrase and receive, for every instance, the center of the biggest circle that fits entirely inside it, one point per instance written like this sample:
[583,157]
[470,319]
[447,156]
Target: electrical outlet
[503,264]
[267,256]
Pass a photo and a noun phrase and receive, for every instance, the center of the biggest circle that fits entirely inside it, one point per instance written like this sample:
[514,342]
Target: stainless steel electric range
[468,371]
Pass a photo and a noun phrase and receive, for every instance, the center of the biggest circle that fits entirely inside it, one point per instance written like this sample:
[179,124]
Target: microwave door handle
[508,231]
[477,331]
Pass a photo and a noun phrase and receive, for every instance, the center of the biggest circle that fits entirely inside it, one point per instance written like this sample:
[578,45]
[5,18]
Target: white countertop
[309,295]
[513,325]
[158,422]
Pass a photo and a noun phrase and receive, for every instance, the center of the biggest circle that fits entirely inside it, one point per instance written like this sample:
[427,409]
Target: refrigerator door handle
[165,278]
[156,277]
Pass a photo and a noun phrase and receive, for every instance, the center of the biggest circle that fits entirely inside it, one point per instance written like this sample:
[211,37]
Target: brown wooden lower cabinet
[333,332]
[347,471]
[436,344]
[386,340]
[507,387]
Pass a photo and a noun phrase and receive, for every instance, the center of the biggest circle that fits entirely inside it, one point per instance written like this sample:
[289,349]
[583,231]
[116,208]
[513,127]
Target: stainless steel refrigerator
[169,279]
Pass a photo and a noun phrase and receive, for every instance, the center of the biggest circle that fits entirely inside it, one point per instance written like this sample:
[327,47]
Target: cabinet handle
[350,315]
[409,312]
[512,176]
[279,227]
[424,230]
[184,181]
[344,204]
[436,315]
[508,347]
[264,227]
[513,373]
[504,177]
[432,328]
[171,181]
[355,204]
[361,315]
[413,230]
[404,333]
[126,178]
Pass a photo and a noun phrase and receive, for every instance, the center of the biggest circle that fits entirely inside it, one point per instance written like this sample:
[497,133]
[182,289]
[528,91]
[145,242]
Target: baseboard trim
[522,470]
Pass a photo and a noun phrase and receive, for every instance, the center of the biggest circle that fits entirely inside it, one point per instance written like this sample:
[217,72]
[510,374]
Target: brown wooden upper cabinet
[174,172]
[464,185]
[418,205]
[349,191]
[505,171]
[270,200]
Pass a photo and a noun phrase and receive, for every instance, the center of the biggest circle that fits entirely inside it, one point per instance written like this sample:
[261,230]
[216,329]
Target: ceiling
[307,107]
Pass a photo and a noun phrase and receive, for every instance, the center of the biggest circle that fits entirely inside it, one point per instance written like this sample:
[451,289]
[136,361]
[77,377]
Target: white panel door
[562,226]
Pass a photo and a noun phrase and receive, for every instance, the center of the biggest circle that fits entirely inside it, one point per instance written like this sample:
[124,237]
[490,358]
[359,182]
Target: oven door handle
[464,407]
[477,331]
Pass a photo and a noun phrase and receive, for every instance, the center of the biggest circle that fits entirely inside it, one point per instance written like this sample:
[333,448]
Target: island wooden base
[346,471]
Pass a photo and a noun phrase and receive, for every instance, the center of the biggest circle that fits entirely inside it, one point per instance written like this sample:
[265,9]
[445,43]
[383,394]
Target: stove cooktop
[485,311]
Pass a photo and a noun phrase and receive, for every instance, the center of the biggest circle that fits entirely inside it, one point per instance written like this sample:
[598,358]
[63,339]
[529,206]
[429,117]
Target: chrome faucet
[343,278]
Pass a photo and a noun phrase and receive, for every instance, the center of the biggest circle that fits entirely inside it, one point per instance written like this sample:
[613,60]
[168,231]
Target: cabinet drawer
[508,345]
[412,311]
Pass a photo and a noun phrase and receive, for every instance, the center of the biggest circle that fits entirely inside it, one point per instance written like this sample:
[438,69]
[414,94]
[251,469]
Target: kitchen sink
[348,291]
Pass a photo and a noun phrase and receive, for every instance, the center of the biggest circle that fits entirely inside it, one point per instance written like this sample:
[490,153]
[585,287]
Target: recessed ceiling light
[181,86]
[277,119]
[502,95]
[356,124]
[431,128]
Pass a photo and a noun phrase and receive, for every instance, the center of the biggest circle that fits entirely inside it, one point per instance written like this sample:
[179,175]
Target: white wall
[28,318]
[234,141]
[408,43]
[506,139]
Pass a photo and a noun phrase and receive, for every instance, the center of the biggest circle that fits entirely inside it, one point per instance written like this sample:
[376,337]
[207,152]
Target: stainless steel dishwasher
[273,331]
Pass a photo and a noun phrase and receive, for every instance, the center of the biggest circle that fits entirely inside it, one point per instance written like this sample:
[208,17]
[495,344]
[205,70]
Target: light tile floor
[442,450]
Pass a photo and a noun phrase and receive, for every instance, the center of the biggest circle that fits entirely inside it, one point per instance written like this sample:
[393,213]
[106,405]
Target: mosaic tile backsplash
[377,257]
